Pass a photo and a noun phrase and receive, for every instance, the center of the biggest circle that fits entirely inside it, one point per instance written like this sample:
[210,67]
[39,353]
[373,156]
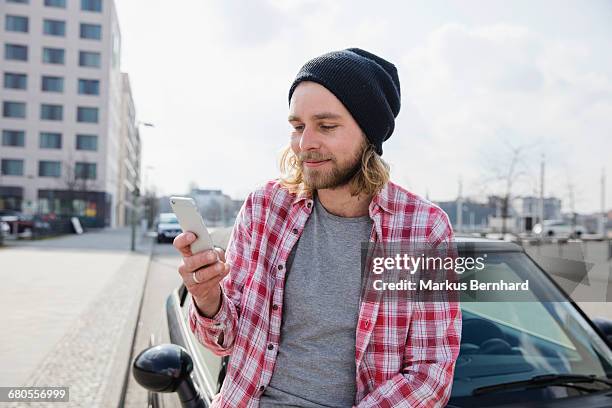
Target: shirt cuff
[217,321]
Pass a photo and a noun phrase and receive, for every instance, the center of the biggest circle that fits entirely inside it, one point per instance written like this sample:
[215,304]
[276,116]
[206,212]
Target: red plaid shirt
[405,356]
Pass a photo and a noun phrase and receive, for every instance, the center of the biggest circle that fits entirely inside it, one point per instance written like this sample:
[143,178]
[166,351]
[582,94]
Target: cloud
[477,88]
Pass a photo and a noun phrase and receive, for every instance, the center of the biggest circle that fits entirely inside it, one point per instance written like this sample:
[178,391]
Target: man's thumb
[220,253]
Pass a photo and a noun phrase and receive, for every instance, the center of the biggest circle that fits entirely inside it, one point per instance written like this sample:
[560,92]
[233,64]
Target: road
[69,311]
[162,278]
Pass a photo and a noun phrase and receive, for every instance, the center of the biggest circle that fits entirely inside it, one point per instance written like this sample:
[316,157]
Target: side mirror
[605,326]
[167,368]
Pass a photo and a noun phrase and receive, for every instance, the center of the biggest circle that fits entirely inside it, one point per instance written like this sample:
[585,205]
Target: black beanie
[367,85]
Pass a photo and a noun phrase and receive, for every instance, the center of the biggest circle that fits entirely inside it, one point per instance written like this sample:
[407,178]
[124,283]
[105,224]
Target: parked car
[20,224]
[536,353]
[167,227]
[558,229]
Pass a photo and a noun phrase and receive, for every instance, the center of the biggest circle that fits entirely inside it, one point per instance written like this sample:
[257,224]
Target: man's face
[326,139]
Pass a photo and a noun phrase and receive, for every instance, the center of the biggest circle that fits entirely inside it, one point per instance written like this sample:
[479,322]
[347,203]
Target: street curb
[117,386]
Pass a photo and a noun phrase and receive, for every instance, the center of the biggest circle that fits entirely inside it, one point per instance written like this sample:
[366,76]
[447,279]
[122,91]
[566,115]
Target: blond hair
[371,177]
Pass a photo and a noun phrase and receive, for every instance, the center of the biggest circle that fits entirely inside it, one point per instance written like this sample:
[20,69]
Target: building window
[15,138]
[52,84]
[54,27]
[91,31]
[16,23]
[49,168]
[87,142]
[12,167]
[53,55]
[55,3]
[51,112]
[16,52]
[89,59]
[15,81]
[89,87]
[87,115]
[91,5]
[83,170]
[50,140]
[18,1]
[14,109]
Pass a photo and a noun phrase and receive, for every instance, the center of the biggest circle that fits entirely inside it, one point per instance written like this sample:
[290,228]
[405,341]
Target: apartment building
[62,111]
[129,155]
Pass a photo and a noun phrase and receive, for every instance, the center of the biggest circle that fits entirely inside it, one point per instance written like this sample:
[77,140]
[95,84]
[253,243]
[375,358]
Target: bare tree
[507,170]
[75,181]
[151,205]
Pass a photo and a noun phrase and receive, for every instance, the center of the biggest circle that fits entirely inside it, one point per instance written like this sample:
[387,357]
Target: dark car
[18,222]
[536,353]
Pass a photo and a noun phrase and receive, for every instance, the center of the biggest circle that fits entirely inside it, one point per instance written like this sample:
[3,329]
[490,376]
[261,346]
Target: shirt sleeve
[218,333]
[432,346]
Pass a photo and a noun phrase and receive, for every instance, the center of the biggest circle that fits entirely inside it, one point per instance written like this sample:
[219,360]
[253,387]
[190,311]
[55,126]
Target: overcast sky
[478,79]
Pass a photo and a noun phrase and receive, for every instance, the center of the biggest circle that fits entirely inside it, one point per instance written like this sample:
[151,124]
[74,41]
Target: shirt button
[295,231]
[280,267]
[270,346]
[274,307]
[309,205]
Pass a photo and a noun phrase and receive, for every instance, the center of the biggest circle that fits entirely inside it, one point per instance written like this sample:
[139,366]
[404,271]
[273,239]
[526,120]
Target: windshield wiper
[545,381]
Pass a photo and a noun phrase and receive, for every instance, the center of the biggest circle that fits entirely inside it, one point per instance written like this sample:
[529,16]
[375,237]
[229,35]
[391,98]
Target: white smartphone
[190,220]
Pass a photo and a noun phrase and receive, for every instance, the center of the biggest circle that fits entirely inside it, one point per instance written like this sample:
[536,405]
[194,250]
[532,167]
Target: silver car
[167,227]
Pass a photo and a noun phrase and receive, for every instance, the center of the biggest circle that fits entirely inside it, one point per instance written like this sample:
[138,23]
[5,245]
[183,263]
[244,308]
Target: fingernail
[189,236]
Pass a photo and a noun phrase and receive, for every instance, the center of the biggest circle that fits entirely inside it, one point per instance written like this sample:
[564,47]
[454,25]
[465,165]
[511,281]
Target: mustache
[313,156]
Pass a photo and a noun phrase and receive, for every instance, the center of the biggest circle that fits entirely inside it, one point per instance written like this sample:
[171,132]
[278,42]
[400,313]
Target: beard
[340,174]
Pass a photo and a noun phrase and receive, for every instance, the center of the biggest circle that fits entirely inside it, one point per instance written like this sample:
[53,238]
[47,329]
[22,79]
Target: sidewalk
[69,311]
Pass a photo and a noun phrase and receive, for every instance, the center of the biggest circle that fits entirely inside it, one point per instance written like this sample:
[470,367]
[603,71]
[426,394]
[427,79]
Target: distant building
[523,214]
[61,113]
[528,211]
[237,204]
[475,215]
[129,159]
[217,209]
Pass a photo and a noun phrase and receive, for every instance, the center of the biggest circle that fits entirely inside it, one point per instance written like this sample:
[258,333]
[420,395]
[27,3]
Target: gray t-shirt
[315,365]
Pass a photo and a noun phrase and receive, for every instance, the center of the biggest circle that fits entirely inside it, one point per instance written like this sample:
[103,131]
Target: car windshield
[513,341]
[168,218]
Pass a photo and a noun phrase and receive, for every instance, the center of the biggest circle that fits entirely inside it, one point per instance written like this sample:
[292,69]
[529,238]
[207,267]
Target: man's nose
[310,139]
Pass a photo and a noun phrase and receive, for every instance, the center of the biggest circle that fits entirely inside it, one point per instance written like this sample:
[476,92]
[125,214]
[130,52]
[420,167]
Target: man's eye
[329,127]
[298,128]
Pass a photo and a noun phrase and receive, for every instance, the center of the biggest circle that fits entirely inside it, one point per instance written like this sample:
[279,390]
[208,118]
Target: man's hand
[209,268]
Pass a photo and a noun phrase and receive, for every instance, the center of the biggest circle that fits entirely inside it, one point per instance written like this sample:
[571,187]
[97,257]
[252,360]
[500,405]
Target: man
[286,304]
